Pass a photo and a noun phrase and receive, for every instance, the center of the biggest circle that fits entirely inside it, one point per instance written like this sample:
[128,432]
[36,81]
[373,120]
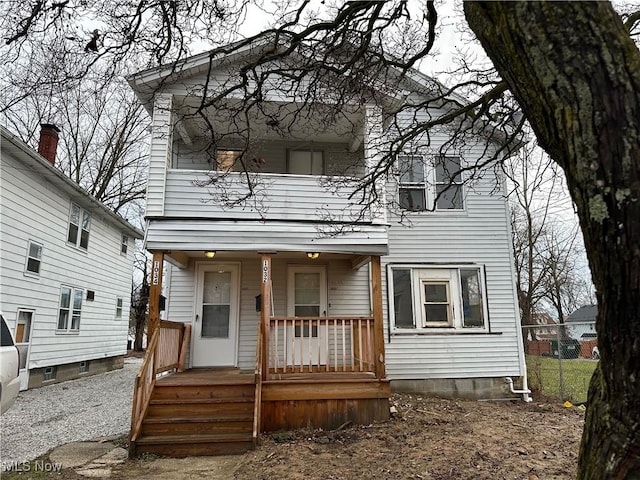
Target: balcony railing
[282,197]
[321,344]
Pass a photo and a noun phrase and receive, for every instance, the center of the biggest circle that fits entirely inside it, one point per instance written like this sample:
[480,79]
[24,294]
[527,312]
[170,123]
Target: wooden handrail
[166,351]
[144,383]
[257,406]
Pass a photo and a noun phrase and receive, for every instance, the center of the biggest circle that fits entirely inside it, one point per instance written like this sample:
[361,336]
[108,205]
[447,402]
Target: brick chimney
[48,142]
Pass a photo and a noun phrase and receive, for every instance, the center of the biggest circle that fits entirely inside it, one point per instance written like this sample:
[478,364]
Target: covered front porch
[309,371]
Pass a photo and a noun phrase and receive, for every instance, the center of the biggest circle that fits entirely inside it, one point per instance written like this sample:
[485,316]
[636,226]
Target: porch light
[210,254]
[313,255]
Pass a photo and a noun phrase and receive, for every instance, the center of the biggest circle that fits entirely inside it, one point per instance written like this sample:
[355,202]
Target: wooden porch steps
[199,413]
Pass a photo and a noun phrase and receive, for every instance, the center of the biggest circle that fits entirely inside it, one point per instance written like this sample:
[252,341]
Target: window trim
[73,294]
[455,290]
[77,243]
[451,183]
[312,152]
[124,244]
[119,307]
[28,272]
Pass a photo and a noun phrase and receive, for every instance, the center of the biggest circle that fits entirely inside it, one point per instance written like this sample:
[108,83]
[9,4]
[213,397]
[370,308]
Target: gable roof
[586,313]
[10,144]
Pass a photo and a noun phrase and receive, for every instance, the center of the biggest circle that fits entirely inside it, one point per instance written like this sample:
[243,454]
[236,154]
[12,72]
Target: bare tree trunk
[575,71]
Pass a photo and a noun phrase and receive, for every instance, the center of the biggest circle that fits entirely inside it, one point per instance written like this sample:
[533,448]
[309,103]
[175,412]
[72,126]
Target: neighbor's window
[70,309]
[124,244]
[49,373]
[84,366]
[412,187]
[432,299]
[119,307]
[79,225]
[305,162]
[34,257]
[449,184]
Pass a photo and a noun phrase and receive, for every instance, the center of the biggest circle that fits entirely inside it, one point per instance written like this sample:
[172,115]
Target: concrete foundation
[70,371]
[471,388]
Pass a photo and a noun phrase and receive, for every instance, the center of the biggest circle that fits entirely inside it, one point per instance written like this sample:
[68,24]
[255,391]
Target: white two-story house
[66,264]
[278,269]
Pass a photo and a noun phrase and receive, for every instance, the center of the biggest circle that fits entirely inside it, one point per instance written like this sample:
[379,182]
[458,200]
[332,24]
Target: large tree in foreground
[572,67]
[575,72]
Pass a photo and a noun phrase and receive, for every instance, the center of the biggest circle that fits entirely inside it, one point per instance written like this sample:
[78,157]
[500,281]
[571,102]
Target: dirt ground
[427,439]
[434,439]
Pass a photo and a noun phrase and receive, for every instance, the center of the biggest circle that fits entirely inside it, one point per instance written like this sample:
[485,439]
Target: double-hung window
[119,307]
[79,225]
[412,188]
[124,244]
[449,183]
[432,299]
[70,309]
[439,187]
[305,162]
[34,258]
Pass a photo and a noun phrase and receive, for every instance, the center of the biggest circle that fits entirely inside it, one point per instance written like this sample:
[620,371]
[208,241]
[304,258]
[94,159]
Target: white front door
[23,342]
[307,297]
[215,339]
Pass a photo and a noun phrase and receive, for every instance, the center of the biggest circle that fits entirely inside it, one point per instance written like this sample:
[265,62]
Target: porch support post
[378,330]
[155,288]
[265,311]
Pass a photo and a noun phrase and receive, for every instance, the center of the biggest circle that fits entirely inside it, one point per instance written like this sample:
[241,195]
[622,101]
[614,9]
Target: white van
[9,368]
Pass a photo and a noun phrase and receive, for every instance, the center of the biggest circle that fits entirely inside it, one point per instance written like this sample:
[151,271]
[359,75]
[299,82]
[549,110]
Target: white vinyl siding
[160,155]
[24,195]
[347,294]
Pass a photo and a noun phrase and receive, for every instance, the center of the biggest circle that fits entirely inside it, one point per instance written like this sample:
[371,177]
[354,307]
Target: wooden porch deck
[210,411]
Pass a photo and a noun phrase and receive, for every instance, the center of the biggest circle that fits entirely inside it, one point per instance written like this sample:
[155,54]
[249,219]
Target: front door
[23,342]
[307,297]
[215,339]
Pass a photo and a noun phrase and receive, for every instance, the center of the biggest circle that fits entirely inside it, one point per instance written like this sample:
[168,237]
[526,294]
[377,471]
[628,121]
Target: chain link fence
[561,359]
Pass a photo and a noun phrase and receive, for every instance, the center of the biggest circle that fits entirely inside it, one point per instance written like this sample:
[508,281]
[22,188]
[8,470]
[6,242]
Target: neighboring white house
[66,265]
[451,323]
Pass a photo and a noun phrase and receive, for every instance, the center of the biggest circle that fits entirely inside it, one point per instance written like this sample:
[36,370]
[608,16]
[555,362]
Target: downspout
[525,392]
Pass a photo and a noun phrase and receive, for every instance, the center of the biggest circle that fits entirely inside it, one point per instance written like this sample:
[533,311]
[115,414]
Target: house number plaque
[265,271]
[155,278]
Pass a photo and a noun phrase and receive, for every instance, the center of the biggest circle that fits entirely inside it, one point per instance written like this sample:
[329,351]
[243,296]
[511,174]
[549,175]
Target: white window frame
[456,183]
[77,241]
[124,244]
[119,306]
[73,313]
[437,274]
[429,184]
[408,183]
[316,161]
[30,257]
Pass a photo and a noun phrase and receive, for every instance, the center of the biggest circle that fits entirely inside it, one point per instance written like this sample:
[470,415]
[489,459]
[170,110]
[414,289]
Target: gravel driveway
[83,409]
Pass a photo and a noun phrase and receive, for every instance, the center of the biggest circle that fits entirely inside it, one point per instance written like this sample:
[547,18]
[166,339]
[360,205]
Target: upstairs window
[449,184]
[419,188]
[34,258]
[119,307]
[124,244]
[305,162]
[79,225]
[412,183]
[70,309]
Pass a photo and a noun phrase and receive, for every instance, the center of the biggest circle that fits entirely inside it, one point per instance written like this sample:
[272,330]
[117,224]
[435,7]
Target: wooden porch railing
[166,351]
[257,406]
[321,344]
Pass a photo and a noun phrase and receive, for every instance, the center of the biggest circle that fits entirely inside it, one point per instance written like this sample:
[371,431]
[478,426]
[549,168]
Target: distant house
[67,262]
[581,324]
